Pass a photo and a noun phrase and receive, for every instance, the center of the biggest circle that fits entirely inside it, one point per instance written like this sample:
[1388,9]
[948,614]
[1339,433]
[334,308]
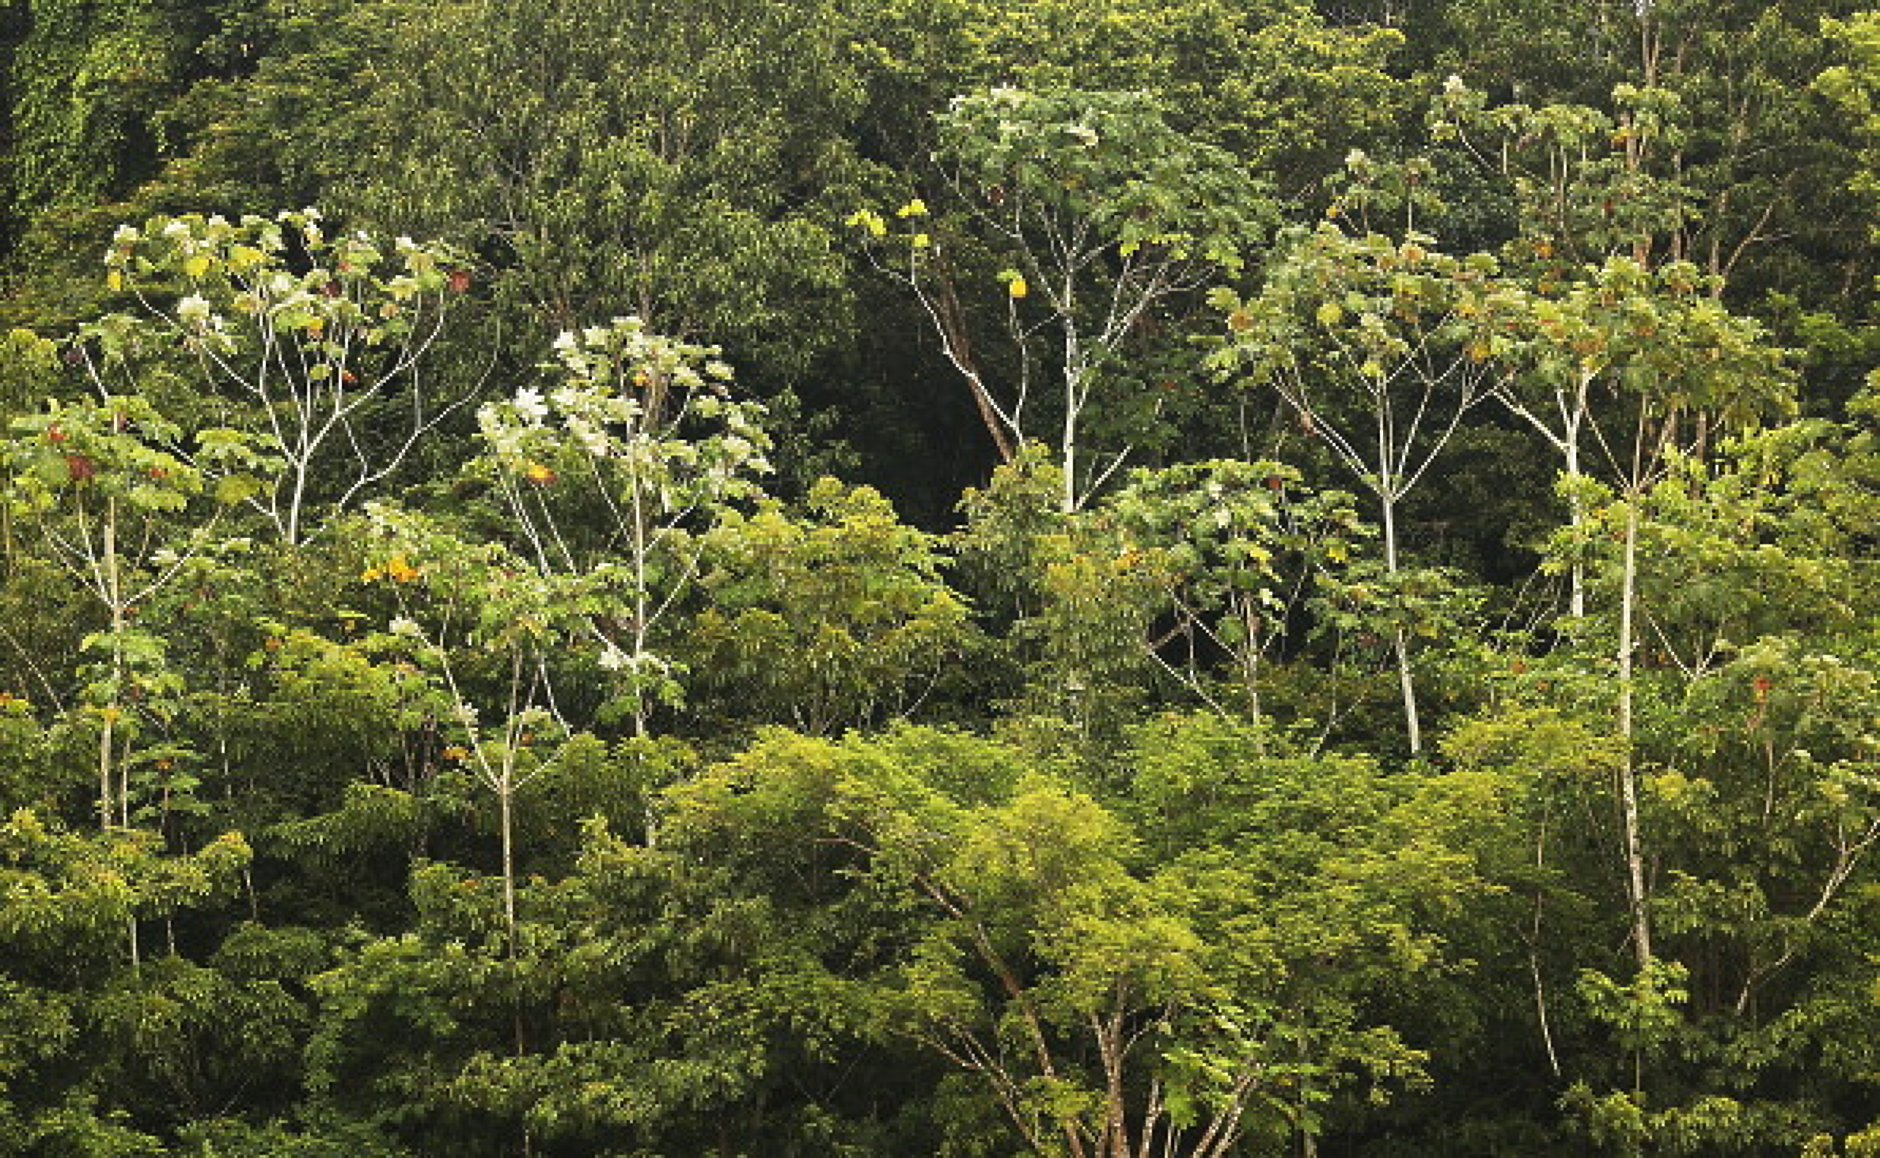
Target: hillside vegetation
[1083,578]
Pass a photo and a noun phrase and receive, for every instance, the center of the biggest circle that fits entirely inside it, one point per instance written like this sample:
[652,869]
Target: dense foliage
[1093,578]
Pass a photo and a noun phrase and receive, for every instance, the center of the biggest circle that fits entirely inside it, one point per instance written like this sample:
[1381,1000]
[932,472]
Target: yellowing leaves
[398,569]
[869,220]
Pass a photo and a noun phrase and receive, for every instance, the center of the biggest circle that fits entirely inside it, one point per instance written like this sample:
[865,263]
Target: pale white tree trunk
[1628,770]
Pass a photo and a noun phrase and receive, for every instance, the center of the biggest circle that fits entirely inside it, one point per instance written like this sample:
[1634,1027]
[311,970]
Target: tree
[94,97]
[1684,135]
[1681,352]
[852,594]
[612,479]
[489,629]
[1379,348]
[1110,980]
[1102,211]
[669,162]
[327,365]
[1850,85]
[1762,814]
[1240,549]
[119,502]
[73,1062]
[1283,87]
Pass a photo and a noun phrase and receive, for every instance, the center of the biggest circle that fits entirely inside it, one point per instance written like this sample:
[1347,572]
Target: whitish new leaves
[322,342]
[605,482]
[610,477]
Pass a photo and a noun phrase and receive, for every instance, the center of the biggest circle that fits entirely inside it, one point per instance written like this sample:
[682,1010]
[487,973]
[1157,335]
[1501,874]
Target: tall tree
[612,480]
[1102,215]
[1151,975]
[1378,348]
[328,366]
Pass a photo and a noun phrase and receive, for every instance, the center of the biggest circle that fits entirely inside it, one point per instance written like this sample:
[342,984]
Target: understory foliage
[1081,578]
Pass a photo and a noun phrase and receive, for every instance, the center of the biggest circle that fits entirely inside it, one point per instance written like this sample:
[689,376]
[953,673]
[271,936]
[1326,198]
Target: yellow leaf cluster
[397,569]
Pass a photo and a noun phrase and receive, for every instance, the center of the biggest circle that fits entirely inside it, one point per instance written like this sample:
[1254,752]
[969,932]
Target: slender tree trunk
[951,320]
[1109,1035]
[293,510]
[1308,1141]
[1576,511]
[107,735]
[110,771]
[1387,500]
[642,610]
[642,606]
[1412,730]
[1075,370]
[1073,381]
[505,795]
[1250,668]
[1401,642]
[1069,503]
[1628,778]
[105,795]
[1534,952]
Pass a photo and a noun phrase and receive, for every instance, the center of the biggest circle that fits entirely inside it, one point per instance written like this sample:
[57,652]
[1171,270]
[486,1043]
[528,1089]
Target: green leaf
[237,488]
